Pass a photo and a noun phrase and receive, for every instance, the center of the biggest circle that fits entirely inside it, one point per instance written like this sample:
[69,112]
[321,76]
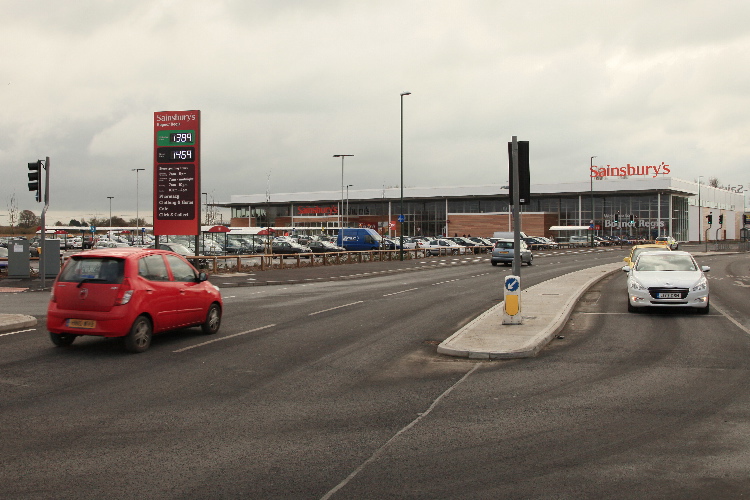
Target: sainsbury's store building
[635,206]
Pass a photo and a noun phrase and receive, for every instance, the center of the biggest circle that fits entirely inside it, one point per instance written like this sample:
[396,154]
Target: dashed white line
[337,307]
[224,338]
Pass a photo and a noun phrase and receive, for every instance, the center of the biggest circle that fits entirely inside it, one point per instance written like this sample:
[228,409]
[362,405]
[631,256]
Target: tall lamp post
[591,180]
[401,216]
[700,212]
[347,203]
[341,217]
[110,216]
[137,213]
[206,195]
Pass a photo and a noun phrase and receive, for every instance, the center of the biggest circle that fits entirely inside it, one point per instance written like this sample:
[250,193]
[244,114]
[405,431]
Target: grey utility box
[18,259]
[51,256]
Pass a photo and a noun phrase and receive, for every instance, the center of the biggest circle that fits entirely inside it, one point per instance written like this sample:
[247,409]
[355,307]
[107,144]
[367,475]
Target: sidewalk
[544,307]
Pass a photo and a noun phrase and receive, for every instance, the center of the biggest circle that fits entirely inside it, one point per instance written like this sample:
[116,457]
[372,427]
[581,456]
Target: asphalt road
[334,390]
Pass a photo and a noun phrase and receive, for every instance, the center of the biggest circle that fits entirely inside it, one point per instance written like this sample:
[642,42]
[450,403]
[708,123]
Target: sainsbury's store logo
[317,210]
[643,170]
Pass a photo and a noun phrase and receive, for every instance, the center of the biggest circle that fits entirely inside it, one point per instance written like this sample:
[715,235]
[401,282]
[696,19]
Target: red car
[131,293]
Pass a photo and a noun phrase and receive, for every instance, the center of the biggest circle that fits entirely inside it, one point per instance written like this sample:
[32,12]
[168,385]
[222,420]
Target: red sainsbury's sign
[628,170]
[317,210]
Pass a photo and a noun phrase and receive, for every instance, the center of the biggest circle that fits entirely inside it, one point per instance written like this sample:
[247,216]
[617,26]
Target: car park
[638,249]
[668,241]
[132,293]
[667,279]
[504,253]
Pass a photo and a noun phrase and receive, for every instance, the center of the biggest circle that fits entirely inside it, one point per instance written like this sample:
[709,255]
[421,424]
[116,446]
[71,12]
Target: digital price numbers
[175,155]
[175,137]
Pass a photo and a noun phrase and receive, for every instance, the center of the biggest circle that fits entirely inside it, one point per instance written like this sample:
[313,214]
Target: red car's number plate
[81,323]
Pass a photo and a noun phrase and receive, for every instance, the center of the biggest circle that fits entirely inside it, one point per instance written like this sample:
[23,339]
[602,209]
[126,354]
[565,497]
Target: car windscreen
[504,244]
[665,262]
[106,270]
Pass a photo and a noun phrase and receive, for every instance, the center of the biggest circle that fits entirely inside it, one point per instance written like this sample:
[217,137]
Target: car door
[162,294]
[192,301]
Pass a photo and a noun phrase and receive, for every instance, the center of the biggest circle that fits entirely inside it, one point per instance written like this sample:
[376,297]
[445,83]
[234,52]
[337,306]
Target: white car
[667,279]
[445,247]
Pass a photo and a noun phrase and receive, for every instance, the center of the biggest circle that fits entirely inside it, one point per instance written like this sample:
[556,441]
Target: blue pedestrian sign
[92,229]
[401,218]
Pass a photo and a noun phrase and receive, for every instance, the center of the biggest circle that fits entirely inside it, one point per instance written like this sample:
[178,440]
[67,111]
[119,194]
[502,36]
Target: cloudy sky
[283,85]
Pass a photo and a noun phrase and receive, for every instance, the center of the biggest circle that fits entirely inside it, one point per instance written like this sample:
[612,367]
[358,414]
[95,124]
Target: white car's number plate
[670,295]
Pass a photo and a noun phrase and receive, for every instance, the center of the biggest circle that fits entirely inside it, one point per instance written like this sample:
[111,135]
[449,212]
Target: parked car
[444,246]
[668,241]
[131,293]
[3,255]
[288,247]
[667,279]
[504,252]
[318,246]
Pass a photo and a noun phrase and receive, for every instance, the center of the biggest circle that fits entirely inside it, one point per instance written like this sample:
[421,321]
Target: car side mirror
[202,276]
[705,269]
[626,269]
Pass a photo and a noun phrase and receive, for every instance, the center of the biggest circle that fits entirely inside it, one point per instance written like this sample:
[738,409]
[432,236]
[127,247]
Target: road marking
[726,315]
[337,307]
[402,291]
[17,331]
[414,422]
[223,338]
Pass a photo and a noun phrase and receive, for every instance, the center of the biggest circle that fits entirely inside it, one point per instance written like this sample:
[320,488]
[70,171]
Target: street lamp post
[341,217]
[401,216]
[347,203]
[591,180]
[110,216]
[700,212]
[137,212]
[206,195]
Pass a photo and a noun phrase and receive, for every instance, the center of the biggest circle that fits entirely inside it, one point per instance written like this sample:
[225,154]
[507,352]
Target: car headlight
[635,285]
[701,285]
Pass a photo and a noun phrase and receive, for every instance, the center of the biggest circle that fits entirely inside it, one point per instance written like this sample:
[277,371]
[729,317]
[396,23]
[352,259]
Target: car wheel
[213,320]
[531,259]
[139,338]
[631,308]
[62,339]
[704,310]
[494,263]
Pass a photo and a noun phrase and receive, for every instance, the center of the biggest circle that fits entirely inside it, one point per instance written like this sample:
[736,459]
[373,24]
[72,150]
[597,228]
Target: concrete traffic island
[10,322]
[545,309]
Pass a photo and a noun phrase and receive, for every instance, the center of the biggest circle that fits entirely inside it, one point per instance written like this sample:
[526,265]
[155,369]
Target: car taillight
[124,293]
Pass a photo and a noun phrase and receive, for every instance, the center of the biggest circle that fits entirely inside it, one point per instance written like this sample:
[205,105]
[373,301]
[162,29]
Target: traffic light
[721,219]
[617,217]
[710,219]
[35,178]
[744,219]
[632,219]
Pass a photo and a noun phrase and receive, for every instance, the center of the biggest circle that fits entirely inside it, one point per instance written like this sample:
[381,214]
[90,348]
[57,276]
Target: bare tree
[713,182]
[12,212]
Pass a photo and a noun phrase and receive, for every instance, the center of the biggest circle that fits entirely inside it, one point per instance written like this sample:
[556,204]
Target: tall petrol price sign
[177,172]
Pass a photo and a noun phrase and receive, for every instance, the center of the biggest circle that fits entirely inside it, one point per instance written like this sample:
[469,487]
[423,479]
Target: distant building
[640,206]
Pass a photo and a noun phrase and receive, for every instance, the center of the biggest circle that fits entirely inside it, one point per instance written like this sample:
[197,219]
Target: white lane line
[726,315]
[224,338]
[17,331]
[402,291]
[337,307]
[414,422]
